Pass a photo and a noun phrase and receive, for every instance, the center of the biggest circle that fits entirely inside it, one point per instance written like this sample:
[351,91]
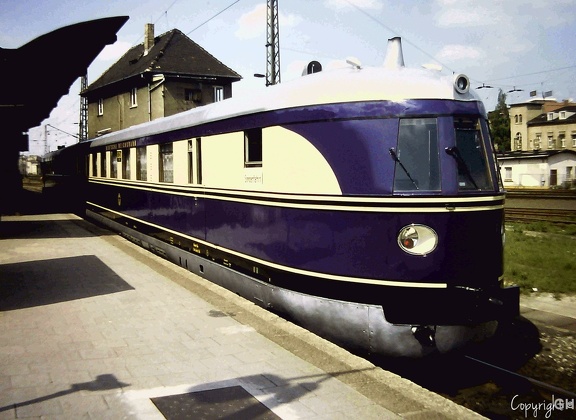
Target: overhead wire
[483,82]
[217,14]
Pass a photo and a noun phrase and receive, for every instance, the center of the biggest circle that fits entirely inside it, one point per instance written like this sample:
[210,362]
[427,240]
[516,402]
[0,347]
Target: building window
[141,164]
[100,106]
[253,147]
[538,141]
[133,97]
[508,176]
[218,93]
[125,163]
[562,138]
[166,163]
[550,116]
[574,139]
[103,164]
[551,142]
[569,173]
[515,119]
[520,118]
[518,141]
[193,95]
[562,115]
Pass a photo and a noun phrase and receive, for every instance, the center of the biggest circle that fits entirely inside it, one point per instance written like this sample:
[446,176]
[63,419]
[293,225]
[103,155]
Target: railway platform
[93,326]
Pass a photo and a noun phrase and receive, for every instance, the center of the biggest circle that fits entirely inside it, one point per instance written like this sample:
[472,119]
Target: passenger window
[417,165]
[114,164]
[94,164]
[253,147]
[190,162]
[103,164]
[125,163]
[199,160]
[166,163]
[470,155]
[141,164]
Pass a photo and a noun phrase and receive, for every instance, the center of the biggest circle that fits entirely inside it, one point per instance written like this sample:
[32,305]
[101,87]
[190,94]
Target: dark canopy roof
[36,75]
[174,54]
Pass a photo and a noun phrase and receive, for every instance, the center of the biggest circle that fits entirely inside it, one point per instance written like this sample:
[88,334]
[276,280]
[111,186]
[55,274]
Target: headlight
[417,239]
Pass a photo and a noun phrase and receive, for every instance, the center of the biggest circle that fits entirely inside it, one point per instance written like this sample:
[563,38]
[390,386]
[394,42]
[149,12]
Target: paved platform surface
[549,310]
[92,326]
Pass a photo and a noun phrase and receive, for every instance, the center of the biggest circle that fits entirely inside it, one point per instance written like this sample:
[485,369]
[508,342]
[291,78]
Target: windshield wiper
[455,153]
[397,160]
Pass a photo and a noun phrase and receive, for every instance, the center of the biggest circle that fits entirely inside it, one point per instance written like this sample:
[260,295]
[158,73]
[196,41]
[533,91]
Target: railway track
[523,365]
[517,214]
[529,387]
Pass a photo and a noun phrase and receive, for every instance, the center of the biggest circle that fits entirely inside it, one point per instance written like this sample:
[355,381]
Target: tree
[500,123]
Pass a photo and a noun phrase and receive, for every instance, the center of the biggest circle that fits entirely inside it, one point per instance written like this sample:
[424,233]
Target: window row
[136,163]
[553,143]
[193,95]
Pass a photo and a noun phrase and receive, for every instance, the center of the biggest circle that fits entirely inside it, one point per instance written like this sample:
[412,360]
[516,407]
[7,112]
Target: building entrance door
[553,177]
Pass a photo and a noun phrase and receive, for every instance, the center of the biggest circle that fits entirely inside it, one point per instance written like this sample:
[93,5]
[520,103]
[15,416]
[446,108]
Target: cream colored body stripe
[444,204]
[285,268]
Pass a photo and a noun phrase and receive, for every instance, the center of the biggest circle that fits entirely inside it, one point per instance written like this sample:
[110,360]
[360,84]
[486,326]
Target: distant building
[162,76]
[538,169]
[543,125]
[29,165]
[543,143]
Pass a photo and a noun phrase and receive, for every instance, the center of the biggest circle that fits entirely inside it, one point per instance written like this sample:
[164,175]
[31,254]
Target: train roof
[352,84]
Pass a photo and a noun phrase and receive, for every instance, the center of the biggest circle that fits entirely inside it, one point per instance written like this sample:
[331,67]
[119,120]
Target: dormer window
[562,115]
[550,116]
[218,93]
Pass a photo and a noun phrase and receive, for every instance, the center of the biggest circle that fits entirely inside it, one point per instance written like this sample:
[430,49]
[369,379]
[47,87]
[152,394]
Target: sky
[517,46]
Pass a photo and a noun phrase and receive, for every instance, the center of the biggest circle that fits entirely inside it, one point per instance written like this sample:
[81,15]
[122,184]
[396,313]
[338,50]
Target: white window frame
[218,93]
[100,106]
[133,97]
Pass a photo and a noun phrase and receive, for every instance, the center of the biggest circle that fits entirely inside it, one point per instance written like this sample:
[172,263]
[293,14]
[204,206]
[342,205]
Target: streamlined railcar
[362,203]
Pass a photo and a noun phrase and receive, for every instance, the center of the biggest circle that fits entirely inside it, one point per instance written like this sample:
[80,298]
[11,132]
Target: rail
[538,385]
[517,214]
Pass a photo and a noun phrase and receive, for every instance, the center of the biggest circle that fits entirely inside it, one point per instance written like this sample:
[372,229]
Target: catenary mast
[272,45]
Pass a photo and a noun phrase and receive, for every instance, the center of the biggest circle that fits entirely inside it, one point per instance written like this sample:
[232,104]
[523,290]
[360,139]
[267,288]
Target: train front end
[454,242]
[422,251]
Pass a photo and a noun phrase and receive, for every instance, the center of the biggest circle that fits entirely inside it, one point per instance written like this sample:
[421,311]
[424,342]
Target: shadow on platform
[42,229]
[44,282]
[101,383]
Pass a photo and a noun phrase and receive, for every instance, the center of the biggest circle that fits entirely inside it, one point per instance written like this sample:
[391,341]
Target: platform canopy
[36,75]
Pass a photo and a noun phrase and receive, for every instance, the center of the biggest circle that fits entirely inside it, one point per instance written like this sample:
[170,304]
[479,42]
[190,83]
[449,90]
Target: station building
[164,75]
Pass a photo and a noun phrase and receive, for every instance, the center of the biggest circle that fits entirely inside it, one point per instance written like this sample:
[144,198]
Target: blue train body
[364,204]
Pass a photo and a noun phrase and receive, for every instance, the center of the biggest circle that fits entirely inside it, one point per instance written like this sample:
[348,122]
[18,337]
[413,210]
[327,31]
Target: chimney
[148,37]
[394,58]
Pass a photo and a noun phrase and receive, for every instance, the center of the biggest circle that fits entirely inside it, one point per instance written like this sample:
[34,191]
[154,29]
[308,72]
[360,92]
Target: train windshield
[416,156]
[470,155]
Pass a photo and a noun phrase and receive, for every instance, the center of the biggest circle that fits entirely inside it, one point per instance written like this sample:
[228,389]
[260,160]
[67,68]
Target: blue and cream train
[362,203]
